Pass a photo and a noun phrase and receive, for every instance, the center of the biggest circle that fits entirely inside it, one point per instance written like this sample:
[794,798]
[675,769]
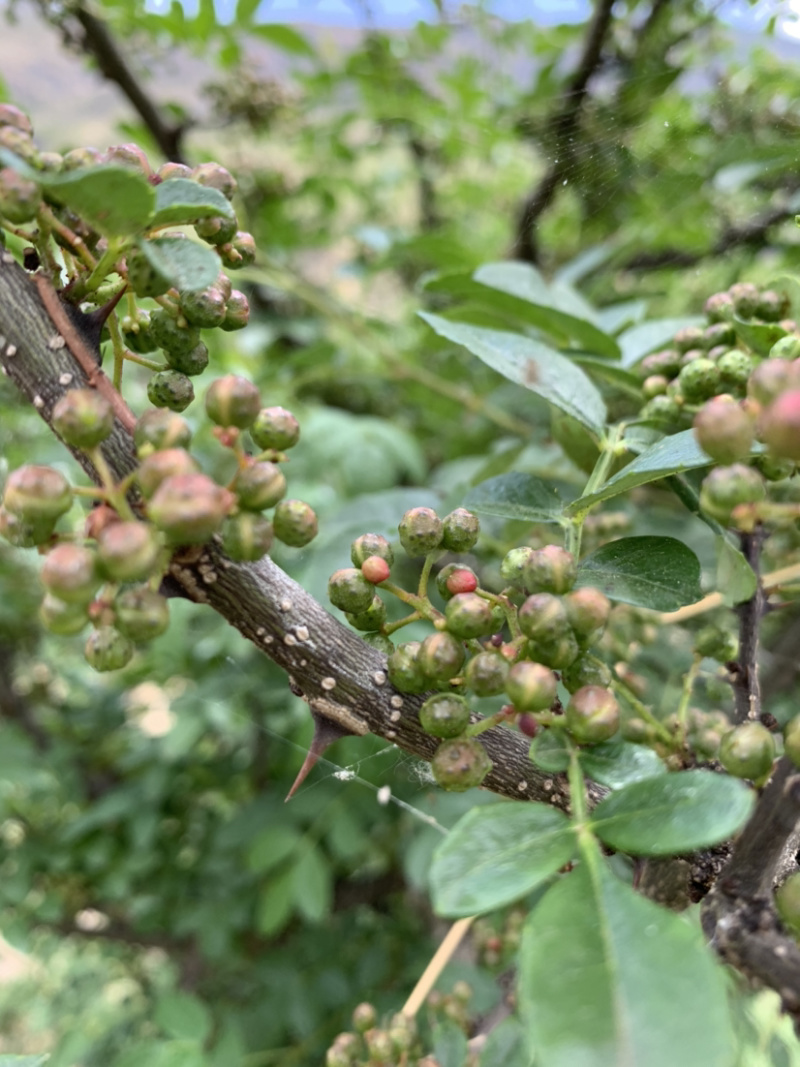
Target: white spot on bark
[285,605]
[65,378]
[260,631]
[522,786]
[391,734]
[302,633]
[268,639]
[11,351]
[289,639]
[38,403]
[384,795]
[7,257]
[303,662]
[379,678]
[328,683]
[548,785]
[56,342]
[396,702]
[395,716]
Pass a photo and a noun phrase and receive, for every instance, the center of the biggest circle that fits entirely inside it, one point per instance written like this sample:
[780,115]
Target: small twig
[746,689]
[773,580]
[440,959]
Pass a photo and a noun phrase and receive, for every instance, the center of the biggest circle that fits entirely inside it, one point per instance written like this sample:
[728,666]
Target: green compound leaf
[617,763]
[497,853]
[670,455]
[555,307]
[180,201]
[531,364]
[516,496]
[115,201]
[673,813]
[760,336]
[613,763]
[659,573]
[640,984]
[188,265]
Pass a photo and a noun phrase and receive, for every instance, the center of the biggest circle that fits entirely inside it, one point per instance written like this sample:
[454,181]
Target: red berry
[461,581]
[375,569]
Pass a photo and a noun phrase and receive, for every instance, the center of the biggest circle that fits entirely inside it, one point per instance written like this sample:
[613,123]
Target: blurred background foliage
[159,902]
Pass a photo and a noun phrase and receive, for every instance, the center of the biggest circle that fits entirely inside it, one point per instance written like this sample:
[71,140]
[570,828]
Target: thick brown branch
[99,43]
[562,126]
[342,678]
[738,915]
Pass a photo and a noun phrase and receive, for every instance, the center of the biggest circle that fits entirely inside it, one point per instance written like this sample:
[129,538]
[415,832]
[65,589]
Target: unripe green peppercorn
[380,641]
[720,307]
[20,198]
[717,644]
[189,508]
[791,740]
[543,617]
[170,335]
[787,903]
[83,418]
[141,614]
[144,278]
[24,534]
[460,764]
[10,115]
[485,674]
[530,686]
[61,618]
[370,544]
[734,368]
[275,428]
[170,389]
[372,619]
[349,590]
[724,429]
[137,334]
[771,378]
[69,572]
[662,409]
[37,495]
[779,425]
[204,308]
[586,670]
[687,338]
[746,299]
[420,531]
[237,312]
[159,428]
[232,401]
[469,615]
[592,715]
[107,649]
[404,670]
[699,380]
[294,523]
[216,230]
[460,530]
[786,348]
[246,537]
[725,488]
[260,485]
[513,566]
[128,551]
[364,1017]
[441,656]
[587,611]
[216,176]
[748,751]
[772,306]
[166,463]
[444,715]
[550,570]
[190,363]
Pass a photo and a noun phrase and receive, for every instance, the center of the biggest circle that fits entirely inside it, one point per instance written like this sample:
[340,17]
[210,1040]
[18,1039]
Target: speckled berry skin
[141,614]
[460,530]
[294,523]
[275,428]
[420,531]
[460,764]
[486,673]
[404,670]
[444,715]
[371,544]
[592,715]
[83,418]
[748,751]
[349,590]
[530,686]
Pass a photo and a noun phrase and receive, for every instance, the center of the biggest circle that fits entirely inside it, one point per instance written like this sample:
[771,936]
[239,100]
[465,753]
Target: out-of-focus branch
[746,690]
[98,43]
[562,127]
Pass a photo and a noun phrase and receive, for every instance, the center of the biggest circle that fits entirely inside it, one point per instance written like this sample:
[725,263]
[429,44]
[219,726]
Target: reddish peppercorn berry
[375,569]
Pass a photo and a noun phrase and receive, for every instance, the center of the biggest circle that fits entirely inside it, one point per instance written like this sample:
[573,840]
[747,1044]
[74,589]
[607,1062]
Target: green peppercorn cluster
[173,288]
[483,644]
[395,1041]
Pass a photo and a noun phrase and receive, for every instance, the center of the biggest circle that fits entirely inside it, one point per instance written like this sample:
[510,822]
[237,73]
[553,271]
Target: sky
[741,13]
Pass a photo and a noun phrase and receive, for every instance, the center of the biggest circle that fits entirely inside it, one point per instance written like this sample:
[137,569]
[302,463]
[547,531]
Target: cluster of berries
[397,1043]
[508,644]
[111,576]
[146,264]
